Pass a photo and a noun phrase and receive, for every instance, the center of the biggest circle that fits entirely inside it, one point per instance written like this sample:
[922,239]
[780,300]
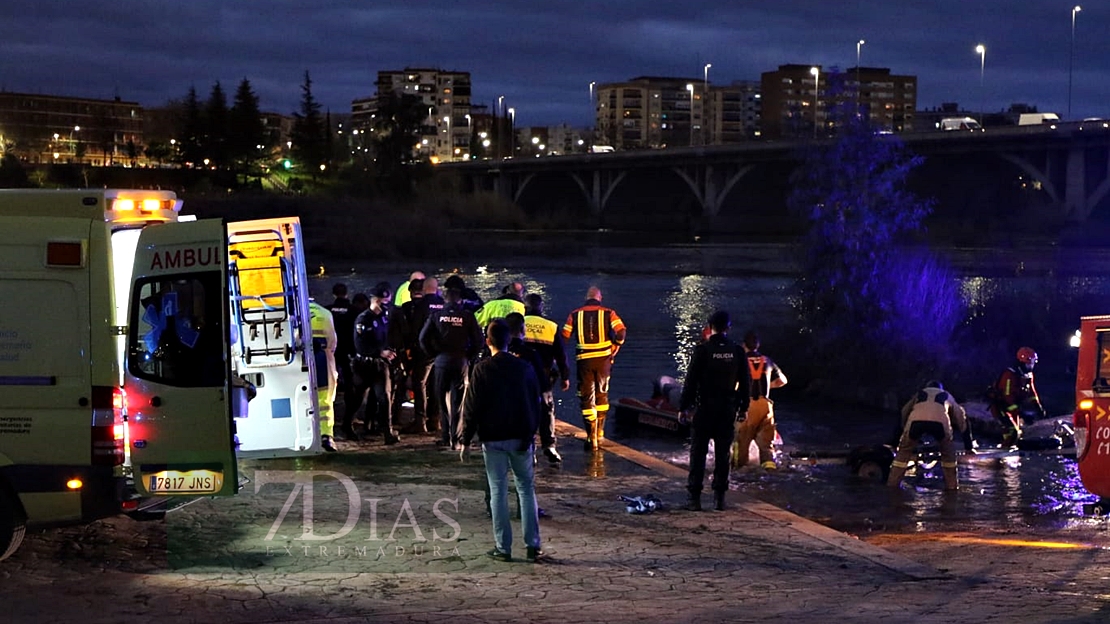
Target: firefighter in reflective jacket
[327,375]
[1013,388]
[759,422]
[935,413]
[599,334]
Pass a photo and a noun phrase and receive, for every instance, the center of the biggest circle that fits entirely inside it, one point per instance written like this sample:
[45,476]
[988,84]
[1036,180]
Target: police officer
[429,302]
[411,365]
[343,314]
[327,376]
[469,299]
[371,366]
[544,337]
[717,385]
[599,333]
[453,337]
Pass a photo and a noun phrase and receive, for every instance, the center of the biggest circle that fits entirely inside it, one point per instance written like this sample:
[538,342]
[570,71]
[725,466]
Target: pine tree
[308,135]
[217,127]
[246,131]
[191,131]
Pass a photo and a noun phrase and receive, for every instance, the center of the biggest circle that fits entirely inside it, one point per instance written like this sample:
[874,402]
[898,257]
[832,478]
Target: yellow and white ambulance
[130,337]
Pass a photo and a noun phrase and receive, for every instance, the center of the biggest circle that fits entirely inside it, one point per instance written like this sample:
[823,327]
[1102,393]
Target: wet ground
[1035,492]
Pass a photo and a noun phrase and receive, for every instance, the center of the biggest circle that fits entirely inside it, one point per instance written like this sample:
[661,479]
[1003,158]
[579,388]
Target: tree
[191,130]
[12,173]
[396,131]
[862,296]
[246,131]
[217,127]
[309,134]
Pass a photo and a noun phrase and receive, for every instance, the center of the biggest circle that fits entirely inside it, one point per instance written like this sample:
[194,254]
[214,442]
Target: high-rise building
[651,112]
[54,128]
[733,112]
[798,100]
[446,131]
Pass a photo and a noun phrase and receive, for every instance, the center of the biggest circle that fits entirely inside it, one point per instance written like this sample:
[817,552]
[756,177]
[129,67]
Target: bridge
[1063,169]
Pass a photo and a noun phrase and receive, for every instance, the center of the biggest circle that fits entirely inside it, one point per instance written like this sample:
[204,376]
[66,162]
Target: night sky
[542,54]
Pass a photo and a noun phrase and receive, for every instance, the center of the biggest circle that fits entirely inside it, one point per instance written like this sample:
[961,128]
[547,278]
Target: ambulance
[142,353]
[1092,413]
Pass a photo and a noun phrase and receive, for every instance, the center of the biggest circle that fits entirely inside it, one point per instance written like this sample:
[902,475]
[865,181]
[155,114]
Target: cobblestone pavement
[410,533]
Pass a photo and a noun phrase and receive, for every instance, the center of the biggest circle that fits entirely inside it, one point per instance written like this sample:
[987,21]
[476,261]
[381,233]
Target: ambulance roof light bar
[141,209]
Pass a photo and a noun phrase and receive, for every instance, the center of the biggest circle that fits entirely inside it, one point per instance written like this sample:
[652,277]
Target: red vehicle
[1092,413]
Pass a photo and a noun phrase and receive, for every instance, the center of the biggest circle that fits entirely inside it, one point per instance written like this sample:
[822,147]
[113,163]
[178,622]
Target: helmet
[1027,356]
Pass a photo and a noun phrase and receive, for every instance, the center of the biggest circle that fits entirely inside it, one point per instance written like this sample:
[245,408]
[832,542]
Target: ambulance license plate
[184,482]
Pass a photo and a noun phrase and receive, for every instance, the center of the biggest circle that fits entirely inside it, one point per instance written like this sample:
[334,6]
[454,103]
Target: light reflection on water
[665,314]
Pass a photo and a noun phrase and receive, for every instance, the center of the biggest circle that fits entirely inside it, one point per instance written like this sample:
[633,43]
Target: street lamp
[816,73]
[859,87]
[512,131]
[981,50]
[1071,55]
[450,139]
[500,105]
[592,83]
[690,88]
[706,87]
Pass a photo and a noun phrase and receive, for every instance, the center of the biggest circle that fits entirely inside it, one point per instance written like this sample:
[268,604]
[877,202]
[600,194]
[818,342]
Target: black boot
[693,501]
[719,501]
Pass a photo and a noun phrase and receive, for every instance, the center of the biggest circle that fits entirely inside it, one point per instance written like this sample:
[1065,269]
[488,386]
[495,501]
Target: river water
[665,311]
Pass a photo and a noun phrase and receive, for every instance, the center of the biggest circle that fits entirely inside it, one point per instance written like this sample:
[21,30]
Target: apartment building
[446,131]
[651,112]
[733,112]
[52,128]
[798,100]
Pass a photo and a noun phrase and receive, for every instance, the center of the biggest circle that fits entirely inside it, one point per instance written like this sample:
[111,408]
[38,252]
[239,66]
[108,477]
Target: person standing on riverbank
[502,407]
[371,368]
[759,422]
[598,332]
[717,385]
[453,337]
[544,336]
[403,293]
[343,315]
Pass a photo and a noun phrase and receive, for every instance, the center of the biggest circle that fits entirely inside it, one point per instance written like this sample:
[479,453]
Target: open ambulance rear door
[178,369]
[273,350]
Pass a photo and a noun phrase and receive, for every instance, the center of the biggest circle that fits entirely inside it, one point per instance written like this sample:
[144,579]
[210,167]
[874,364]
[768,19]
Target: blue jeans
[501,457]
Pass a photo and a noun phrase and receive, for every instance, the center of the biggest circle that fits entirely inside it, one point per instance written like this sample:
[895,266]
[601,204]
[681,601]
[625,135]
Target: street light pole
[592,83]
[981,50]
[690,88]
[512,131]
[859,87]
[816,73]
[1071,55]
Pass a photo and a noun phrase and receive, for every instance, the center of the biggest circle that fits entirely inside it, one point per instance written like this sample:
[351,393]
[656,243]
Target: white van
[124,333]
[1036,119]
[959,123]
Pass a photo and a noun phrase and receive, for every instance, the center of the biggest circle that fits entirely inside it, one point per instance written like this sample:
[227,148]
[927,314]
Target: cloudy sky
[542,54]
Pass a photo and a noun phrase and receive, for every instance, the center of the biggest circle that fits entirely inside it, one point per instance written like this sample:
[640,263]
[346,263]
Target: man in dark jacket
[502,407]
[410,366]
[453,337]
[717,384]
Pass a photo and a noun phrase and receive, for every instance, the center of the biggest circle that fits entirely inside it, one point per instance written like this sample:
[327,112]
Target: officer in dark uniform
[343,315]
[544,337]
[468,298]
[717,384]
[371,368]
[410,366]
[453,337]
[423,307]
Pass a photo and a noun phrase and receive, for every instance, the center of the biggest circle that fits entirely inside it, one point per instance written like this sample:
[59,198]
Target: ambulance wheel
[13,524]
